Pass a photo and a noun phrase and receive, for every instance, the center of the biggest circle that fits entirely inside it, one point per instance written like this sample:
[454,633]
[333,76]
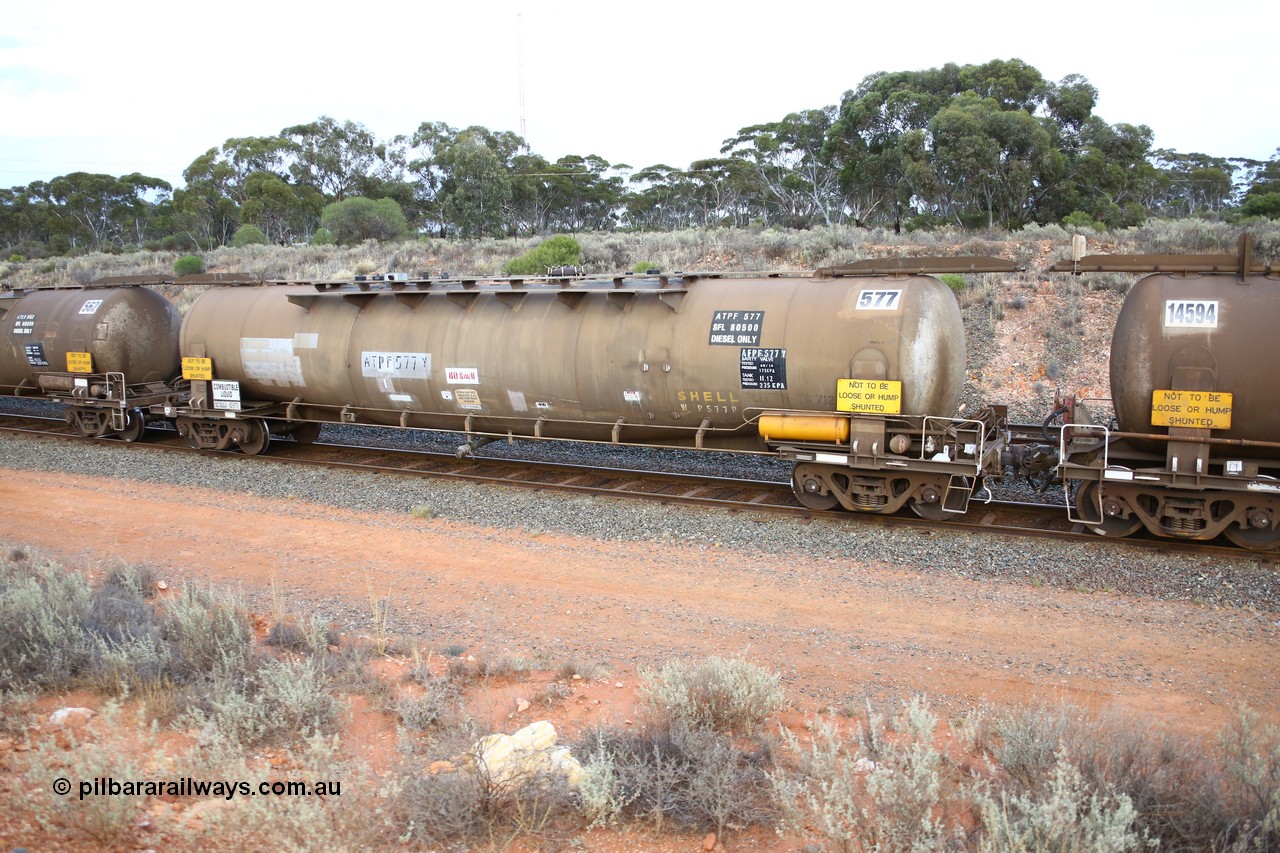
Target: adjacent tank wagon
[1194,452]
[106,352]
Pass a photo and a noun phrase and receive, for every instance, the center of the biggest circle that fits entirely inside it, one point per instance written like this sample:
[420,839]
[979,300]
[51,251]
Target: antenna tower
[520,76]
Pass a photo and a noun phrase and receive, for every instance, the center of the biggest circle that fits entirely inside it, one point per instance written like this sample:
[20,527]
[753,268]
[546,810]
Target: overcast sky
[149,86]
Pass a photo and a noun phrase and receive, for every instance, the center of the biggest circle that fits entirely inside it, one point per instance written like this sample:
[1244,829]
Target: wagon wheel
[931,510]
[1253,538]
[135,425]
[808,490]
[1090,512]
[187,429]
[257,437]
[305,432]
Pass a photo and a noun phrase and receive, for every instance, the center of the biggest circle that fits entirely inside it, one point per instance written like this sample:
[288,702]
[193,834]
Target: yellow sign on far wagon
[197,368]
[870,396]
[1198,409]
[79,362]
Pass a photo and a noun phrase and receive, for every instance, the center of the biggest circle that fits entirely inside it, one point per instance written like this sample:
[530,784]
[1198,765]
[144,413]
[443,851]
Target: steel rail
[1004,518]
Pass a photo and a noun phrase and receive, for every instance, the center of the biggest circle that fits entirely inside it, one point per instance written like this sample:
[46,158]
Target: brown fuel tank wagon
[107,352]
[738,362]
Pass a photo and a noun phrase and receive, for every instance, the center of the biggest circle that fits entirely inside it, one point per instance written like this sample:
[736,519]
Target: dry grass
[705,249]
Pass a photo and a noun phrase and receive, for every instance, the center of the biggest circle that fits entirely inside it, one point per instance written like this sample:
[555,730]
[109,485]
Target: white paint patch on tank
[271,361]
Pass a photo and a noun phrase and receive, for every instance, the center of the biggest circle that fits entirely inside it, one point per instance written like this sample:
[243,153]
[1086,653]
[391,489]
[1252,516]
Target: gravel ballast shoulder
[1248,581]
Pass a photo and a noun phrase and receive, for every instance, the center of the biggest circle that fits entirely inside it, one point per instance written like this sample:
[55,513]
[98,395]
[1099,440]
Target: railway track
[1004,517]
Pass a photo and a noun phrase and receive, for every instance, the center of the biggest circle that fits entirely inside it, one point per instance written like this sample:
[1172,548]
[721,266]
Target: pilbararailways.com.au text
[106,786]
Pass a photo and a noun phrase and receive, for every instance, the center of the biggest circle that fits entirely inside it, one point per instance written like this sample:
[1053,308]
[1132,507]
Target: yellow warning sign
[872,396]
[197,368]
[1199,409]
[79,362]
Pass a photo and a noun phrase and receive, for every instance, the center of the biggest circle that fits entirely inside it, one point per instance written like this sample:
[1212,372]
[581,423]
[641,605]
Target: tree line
[992,145]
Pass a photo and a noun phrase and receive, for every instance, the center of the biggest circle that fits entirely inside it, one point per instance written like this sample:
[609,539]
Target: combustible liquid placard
[873,396]
[1197,409]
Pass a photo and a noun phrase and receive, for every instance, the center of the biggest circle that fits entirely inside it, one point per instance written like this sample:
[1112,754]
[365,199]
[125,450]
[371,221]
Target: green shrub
[177,243]
[1267,204]
[955,281]
[642,267]
[558,251]
[27,250]
[322,237]
[717,693]
[188,265]
[248,235]
[1080,220]
[354,220]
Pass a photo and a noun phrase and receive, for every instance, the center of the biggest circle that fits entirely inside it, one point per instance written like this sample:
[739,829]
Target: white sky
[147,86]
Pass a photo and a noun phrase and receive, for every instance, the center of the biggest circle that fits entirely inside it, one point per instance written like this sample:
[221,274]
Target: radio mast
[520,76]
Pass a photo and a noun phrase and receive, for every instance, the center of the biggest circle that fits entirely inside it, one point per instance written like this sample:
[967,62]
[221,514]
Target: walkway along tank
[105,351]
[850,368]
[1195,391]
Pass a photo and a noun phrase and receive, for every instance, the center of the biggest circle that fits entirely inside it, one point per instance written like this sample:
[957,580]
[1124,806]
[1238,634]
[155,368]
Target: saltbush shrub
[726,694]
[674,777]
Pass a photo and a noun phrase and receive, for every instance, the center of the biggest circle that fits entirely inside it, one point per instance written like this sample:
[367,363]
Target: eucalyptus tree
[585,195]
[283,211]
[989,160]
[790,168]
[1191,184]
[662,198]
[724,191]
[100,210]
[334,158]
[24,216]
[477,187]
[208,208]
[1112,179]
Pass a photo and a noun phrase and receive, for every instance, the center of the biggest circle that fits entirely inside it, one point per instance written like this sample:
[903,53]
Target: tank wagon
[853,373]
[108,353]
[1193,453]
